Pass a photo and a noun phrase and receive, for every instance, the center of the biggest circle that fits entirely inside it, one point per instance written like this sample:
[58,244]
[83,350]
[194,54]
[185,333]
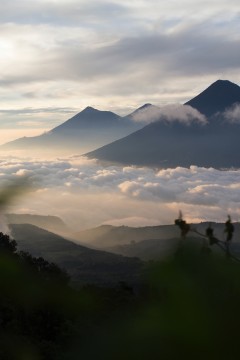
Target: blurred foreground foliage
[186,307]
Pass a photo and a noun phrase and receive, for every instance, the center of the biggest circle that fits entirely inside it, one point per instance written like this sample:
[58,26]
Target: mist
[173,112]
[232,114]
[85,193]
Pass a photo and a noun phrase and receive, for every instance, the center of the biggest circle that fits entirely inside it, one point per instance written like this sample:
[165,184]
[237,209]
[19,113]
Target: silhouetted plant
[184,227]
[209,235]
[229,229]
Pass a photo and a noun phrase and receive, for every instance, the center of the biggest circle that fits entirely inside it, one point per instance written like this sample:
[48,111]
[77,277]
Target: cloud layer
[85,194]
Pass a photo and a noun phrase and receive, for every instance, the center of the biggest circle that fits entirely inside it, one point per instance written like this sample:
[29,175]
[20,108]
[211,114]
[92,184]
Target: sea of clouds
[84,193]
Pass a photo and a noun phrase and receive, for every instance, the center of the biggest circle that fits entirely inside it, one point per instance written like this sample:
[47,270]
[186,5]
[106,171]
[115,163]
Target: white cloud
[233,114]
[87,194]
[176,112]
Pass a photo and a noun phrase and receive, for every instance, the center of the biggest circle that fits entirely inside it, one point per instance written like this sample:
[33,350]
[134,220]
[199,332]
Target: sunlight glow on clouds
[86,194]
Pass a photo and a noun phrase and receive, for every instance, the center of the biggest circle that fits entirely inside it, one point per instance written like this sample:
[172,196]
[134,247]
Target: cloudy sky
[59,56]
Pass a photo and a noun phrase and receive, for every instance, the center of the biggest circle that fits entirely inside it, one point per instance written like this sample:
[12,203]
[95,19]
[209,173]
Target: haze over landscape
[116,118]
[177,161]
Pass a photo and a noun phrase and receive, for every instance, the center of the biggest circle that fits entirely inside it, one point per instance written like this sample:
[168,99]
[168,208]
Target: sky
[59,56]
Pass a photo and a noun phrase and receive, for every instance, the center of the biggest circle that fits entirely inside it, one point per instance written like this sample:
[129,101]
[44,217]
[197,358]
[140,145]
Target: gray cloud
[59,13]
[192,51]
[67,11]
[133,65]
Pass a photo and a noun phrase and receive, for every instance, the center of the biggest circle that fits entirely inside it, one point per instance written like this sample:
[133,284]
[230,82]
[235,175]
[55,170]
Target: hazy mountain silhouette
[118,246]
[84,265]
[85,131]
[149,242]
[150,249]
[49,222]
[172,143]
[109,236]
[157,144]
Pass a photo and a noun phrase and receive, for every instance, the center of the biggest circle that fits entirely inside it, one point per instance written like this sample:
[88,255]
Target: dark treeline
[187,307]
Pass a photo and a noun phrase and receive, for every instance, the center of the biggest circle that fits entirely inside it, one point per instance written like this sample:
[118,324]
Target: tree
[6,244]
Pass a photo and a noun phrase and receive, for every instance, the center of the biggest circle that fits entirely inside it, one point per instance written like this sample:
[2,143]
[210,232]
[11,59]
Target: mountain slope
[85,131]
[109,236]
[139,110]
[216,98]
[83,264]
[149,249]
[172,143]
[150,242]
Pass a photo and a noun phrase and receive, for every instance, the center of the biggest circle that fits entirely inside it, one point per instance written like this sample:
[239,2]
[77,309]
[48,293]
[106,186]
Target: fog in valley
[85,193]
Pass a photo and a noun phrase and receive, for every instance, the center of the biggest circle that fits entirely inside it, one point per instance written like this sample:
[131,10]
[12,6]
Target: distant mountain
[51,223]
[92,119]
[150,242]
[87,130]
[216,98]
[156,249]
[139,110]
[149,249]
[84,265]
[172,143]
[109,236]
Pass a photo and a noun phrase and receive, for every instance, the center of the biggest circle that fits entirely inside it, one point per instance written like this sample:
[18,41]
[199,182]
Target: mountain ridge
[83,264]
[108,133]
[84,131]
[165,144]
